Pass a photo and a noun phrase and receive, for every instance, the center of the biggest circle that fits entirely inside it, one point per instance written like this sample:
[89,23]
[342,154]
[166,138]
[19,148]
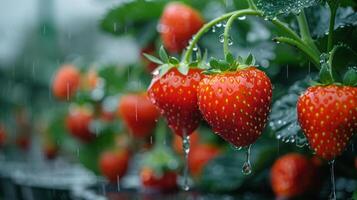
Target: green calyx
[327,73]
[161,159]
[230,64]
[167,62]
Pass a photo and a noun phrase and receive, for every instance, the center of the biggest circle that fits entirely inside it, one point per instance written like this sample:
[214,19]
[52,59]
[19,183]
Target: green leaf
[183,69]
[283,118]
[153,59]
[318,19]
[273,8]
[163,55]
[326,74]
[131,14]
[350,77]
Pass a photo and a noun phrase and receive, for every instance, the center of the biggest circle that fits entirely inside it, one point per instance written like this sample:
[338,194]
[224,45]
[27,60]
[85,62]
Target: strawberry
[3,136]
[177,142]
[199,156]
[114,164]
[23,142]
[78,122]
[236,104]
[50,151]
[138,114]
[292,175]
[163,182]
[89,80]
[159,169]
[66,82]
[150,66]
[175,95]
[328,117]
[178,24]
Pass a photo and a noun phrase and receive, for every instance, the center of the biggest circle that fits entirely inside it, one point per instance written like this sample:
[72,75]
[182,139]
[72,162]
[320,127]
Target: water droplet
[235,148]
[219,24]
[242,18]
[247,168]
[333,186]
[221,38]
[186,150]
[213,29]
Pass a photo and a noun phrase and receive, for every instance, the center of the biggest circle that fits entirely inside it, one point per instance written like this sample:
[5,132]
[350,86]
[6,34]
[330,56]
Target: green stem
[333,10]
[252,5]
[305,31]
[203,30]
[304,48]
[229,26]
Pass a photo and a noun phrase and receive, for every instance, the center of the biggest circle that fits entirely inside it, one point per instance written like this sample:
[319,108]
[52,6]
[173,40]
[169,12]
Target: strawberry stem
[333,9]
[196,38]
[305,32]
[229,26]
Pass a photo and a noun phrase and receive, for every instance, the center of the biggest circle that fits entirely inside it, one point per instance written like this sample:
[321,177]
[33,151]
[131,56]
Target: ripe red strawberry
[23,141]
[3,136]
[175,95]
[66,82]
[138,114]
[236,104]
[178,24]
[161,182]
[292,175]
[150,66]
[199,156]
[114,164]
[78,122]
[328,117]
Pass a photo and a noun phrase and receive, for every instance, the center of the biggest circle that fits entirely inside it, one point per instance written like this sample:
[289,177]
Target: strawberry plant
[271,84]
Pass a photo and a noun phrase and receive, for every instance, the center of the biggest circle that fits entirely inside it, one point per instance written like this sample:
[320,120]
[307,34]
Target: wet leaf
[283,119]
[273,8]
[350,77]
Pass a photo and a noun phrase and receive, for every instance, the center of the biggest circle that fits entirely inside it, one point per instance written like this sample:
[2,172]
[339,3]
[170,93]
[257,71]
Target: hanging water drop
[242,18]
[219,24]
[247,168]
[333,186]
[213,29]
[230,41]
[186,150]
[221,38]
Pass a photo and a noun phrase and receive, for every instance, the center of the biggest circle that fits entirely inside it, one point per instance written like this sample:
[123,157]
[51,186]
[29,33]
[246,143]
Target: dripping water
[186,150]
[333,186]
[247,168]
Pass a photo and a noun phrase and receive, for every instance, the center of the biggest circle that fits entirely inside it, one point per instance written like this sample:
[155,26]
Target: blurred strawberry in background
[66,82]
[113,164]
[138,114]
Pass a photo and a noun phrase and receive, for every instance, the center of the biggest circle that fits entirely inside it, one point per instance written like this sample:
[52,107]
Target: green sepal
[163,69]
[153,59]
[326,74]
[230,59]
[163,55]
[350,77]
[183,68]
[250,60]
